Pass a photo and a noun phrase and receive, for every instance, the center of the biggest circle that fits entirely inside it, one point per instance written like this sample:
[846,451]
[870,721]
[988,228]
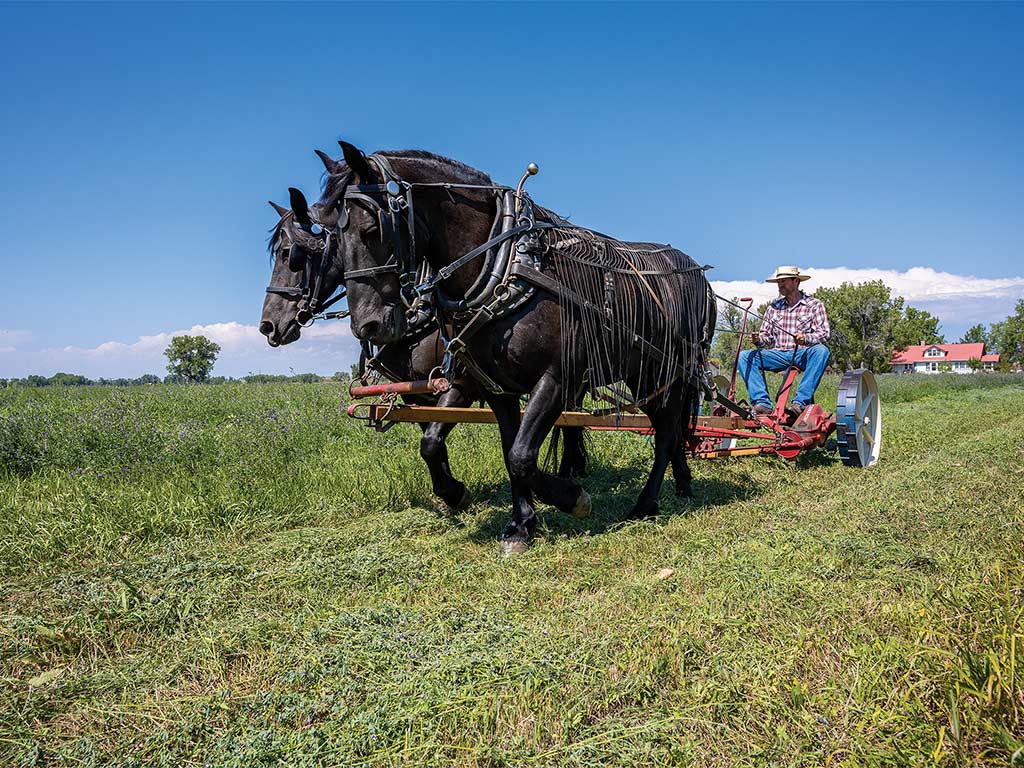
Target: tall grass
[240,576]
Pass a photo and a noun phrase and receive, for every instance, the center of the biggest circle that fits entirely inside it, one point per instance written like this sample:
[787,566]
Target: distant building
[935,358]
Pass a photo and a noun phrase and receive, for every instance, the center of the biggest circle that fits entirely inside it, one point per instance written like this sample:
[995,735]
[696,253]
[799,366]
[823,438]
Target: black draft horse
[652,332]
[415,356]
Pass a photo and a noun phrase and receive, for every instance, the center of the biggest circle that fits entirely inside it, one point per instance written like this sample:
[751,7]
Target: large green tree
[191,358]
[917,326]
[864,318]
[1008,336]
[869,324]
[975,334]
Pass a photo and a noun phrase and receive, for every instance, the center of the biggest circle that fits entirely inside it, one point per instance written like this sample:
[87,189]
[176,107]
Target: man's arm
[765,336]
[820,330]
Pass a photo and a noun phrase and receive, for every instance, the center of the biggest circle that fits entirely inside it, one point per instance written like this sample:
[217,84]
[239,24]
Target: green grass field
[239,576]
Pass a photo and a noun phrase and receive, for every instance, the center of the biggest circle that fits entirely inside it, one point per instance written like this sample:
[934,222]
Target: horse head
[372,238]
[304,271]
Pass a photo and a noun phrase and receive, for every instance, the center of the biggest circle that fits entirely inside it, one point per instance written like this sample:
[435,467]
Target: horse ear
[329,163]
[300,206]
[281,210]
[356,160]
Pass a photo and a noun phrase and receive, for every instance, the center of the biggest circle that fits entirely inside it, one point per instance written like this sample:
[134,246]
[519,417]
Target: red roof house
[933,358]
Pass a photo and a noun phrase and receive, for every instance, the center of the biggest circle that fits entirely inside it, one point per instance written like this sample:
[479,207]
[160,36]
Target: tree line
[869,324]
[75,380]
[190,360]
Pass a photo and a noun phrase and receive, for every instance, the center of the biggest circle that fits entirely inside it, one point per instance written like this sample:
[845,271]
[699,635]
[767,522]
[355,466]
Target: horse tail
[575,453]
[551,454]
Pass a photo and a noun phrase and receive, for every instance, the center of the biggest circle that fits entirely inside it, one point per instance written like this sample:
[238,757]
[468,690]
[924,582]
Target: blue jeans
[811,360]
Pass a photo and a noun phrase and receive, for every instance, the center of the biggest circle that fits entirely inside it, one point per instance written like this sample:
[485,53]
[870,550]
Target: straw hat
[783,272]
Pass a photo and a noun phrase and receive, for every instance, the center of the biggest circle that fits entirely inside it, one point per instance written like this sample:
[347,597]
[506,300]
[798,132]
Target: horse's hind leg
[680,467]
[681,473]
[668,439]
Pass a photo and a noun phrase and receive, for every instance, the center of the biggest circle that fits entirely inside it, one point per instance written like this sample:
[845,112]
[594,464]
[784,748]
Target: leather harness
[511,275]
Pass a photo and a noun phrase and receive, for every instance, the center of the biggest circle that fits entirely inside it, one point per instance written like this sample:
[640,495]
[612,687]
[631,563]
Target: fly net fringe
[644,316]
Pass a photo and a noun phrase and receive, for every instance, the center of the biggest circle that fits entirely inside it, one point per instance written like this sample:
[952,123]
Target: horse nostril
[370,330]
[266,327]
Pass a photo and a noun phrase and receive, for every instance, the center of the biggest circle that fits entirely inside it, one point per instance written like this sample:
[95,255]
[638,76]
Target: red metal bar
[739,346]
[422,387]
[783,398]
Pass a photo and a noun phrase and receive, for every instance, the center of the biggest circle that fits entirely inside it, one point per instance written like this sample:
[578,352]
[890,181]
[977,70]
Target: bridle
[307,293]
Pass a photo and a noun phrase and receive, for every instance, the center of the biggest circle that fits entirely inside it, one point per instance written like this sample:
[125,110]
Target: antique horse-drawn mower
[730,429]
[461,289]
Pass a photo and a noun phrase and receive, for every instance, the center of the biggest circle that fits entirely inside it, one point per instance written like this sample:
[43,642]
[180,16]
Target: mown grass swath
[237,575]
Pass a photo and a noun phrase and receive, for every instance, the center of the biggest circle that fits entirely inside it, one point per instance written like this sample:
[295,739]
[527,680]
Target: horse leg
[680,466]
[681,473]
[668,447]
[434,452]
[574,453]
[541,413]
[516,537]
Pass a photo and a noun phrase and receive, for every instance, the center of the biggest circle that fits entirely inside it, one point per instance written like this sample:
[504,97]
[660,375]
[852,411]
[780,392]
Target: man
[793,332]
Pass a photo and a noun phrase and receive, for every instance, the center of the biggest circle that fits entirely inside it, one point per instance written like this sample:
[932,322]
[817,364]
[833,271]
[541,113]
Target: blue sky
[140,143]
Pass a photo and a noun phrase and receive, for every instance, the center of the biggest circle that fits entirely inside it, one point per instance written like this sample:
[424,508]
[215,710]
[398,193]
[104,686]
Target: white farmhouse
[935,358]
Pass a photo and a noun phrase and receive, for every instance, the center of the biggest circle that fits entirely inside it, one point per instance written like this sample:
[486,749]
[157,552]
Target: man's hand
[800,339]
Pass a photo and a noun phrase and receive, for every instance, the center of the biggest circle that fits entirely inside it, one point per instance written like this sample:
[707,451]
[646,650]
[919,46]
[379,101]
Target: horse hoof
[513,547]
[463,503]
[583,506]
[643,512]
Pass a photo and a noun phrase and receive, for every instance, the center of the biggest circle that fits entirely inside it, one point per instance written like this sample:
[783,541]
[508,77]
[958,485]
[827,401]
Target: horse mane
[446,170]
[276,233]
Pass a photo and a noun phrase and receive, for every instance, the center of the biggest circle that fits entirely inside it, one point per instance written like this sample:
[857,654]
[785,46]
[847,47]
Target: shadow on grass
[819,457]
[613,494]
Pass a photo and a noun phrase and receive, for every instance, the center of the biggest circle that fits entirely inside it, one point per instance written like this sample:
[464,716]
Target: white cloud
[959,301]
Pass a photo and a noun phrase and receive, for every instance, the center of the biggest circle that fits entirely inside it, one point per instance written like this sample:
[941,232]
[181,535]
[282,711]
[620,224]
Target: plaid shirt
[807,316]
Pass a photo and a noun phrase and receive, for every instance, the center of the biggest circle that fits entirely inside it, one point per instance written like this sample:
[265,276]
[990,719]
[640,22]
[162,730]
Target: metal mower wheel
[859,419]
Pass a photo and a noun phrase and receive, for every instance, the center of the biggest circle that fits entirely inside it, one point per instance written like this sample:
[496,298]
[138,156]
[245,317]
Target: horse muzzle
[381,332]
[275,337]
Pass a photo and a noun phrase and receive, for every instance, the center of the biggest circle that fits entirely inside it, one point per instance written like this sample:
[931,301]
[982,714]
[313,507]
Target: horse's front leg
[541,413]
[517,534]
[434,451]
[574,453]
